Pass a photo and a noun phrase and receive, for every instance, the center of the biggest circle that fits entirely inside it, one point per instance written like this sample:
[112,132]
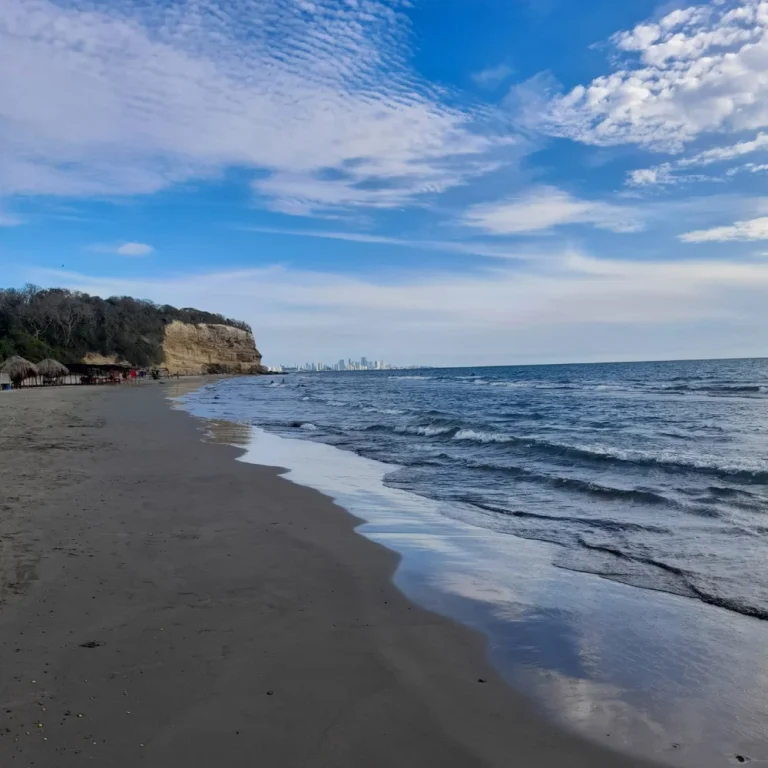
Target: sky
[439,182]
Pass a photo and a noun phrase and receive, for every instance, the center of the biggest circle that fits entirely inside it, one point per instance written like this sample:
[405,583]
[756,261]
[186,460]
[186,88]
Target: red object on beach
[133,373]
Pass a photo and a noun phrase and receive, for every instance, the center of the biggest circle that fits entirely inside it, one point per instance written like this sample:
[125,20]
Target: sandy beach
[162,604]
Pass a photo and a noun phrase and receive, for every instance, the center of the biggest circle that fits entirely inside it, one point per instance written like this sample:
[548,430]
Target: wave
[687,580]
[429,430]
[591,488]
[593,454]
[730,493]
[309,426]
[676,462]
[639,458]
[730,603]
[677,435]
[481,437]
[411,378]
[677,385]
[640,495]
[604,524]
[712,389]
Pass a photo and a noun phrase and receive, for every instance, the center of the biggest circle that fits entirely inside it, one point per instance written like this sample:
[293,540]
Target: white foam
[426,431]
[481,437]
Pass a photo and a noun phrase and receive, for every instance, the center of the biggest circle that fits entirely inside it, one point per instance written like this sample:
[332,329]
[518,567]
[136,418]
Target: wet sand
[164,605]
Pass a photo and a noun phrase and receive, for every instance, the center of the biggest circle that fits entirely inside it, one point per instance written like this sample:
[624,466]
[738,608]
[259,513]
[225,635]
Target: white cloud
[751,168]
[658,175]
[696,71]
[721,154]
[132,98]
[753,229]
[493,77]
[123,249]
[569,306]
[666,172]
[135,249]
[544,208]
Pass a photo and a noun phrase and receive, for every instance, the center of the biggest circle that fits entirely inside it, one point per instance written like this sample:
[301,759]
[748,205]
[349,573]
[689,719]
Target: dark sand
[164,605]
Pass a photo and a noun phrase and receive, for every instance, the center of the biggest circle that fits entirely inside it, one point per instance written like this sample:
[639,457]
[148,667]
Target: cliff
[69,326]
[209,348]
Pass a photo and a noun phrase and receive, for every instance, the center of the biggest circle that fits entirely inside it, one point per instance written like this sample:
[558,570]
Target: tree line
[37,323]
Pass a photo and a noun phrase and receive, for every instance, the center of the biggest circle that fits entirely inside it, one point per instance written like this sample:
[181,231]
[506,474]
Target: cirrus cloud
[135,249]
[543,208]
[752,229]
[493,77]
[666,173]
[316,97]
[124,249]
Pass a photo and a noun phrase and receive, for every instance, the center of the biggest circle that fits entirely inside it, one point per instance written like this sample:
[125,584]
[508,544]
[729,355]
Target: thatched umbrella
[17,369]
[52,369]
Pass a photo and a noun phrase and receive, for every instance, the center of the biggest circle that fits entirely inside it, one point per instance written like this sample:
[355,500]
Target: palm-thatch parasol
[51,369]
[17,369]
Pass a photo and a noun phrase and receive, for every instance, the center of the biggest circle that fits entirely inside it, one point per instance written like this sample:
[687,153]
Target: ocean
[652,477]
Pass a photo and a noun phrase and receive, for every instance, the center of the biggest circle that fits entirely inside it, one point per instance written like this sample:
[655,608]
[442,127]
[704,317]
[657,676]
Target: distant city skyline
[363,364]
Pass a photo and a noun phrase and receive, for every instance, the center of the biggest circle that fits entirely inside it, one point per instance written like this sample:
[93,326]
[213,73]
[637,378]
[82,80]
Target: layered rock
[207,348]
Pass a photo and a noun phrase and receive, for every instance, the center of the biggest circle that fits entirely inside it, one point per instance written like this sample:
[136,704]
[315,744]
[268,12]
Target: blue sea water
[603,525]
[651,474]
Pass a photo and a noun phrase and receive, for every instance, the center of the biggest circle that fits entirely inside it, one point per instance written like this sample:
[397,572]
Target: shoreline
[650,673]
[230,611]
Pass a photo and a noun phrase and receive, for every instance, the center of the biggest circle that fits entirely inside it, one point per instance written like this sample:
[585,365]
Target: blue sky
[446,182]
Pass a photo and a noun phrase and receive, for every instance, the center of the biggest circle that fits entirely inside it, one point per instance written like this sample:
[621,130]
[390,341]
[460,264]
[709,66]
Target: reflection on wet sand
[228,433]
[650,673]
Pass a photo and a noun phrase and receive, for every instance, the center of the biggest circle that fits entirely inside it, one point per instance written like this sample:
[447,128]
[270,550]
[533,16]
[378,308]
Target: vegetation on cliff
[38,323]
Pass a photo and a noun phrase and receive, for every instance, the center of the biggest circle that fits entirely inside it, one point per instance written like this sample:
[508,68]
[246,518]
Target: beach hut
[17,369]
[52,371]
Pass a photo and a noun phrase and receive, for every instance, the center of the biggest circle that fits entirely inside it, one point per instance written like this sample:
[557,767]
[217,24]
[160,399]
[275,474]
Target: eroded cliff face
[203,348]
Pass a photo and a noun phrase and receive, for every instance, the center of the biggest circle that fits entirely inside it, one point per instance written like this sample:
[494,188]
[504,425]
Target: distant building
[364,364]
